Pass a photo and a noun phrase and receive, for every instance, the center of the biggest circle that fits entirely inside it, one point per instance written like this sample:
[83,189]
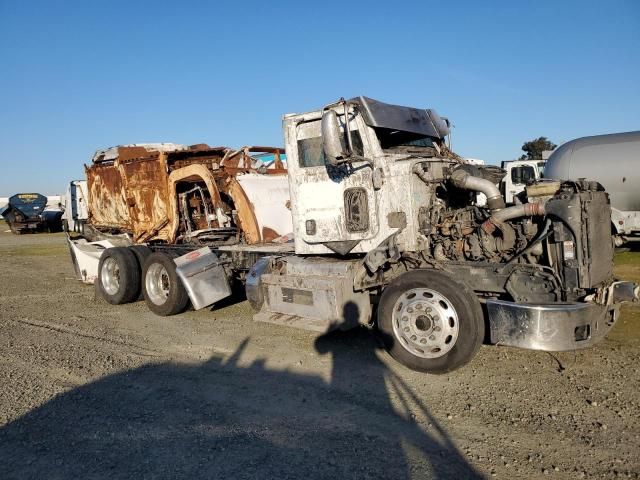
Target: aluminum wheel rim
[157,284]
[425,323]
[110,276]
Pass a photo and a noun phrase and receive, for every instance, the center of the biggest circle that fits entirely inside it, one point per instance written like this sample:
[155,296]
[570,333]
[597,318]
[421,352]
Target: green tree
[533,149]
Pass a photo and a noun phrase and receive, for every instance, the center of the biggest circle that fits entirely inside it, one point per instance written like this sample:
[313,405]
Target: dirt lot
[88,390]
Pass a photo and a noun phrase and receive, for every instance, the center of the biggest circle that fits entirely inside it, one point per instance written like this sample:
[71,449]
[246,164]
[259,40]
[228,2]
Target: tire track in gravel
[138,350]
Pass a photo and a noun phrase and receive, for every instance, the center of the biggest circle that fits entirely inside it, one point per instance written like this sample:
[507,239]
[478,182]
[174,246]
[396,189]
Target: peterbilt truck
[387,233]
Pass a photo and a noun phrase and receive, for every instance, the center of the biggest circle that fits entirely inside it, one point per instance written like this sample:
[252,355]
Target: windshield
[396,139]
[523,174]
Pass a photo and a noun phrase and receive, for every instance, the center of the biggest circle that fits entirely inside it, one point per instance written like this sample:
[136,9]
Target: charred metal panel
[245,214]
[269,197]
[147,195]
[107,204]
[130,195]
[135,189]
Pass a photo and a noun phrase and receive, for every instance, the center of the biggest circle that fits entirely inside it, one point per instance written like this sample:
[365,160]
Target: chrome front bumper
[551,327]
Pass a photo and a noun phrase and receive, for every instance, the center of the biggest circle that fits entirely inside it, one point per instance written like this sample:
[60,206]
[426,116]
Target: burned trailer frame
[174,199]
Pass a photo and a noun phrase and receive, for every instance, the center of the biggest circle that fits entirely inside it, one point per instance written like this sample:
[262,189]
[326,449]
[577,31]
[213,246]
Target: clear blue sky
[77,76]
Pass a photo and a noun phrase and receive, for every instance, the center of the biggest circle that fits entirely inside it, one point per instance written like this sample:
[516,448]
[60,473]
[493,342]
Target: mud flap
[203,277]
[86,257]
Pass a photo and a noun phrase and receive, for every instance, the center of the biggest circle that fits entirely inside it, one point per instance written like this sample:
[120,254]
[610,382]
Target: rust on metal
[165,192]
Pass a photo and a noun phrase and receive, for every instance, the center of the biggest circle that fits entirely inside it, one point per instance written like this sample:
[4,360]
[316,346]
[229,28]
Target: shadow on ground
[221,420]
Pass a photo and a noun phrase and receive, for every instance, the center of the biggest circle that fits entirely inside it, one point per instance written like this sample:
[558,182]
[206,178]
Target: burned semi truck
[387,232]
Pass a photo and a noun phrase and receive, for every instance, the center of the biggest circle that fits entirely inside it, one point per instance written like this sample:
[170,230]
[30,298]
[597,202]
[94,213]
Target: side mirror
[331,141]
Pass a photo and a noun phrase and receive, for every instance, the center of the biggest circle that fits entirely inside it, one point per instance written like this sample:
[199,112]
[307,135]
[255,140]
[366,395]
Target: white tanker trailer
[614,161]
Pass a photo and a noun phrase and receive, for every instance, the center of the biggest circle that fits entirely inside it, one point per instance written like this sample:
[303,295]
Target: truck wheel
[141,253]
[162,289]
[118,276]
[430,322]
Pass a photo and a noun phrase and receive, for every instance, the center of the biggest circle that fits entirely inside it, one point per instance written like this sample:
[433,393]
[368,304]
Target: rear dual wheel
[126,272]
[119,273]
[430,322]
[118,276]
[163,291]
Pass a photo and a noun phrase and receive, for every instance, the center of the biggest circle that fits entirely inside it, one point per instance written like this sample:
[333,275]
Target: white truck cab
[387,229]
[519,174]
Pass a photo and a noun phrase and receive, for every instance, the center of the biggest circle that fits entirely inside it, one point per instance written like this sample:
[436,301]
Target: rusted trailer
[169,199]
[199,194]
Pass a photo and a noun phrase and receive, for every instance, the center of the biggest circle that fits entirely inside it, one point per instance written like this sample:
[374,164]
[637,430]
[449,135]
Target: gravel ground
[90,390]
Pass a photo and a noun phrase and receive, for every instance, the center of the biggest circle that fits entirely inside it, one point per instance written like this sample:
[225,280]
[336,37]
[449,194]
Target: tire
[141,253]
[118,276]
[430,322]
[163,291]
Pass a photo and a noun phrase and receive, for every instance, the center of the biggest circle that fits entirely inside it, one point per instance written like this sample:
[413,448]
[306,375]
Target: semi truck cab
[387,231]
[519,173]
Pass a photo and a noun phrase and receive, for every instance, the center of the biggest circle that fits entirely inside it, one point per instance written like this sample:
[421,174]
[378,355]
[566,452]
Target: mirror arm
[347,129]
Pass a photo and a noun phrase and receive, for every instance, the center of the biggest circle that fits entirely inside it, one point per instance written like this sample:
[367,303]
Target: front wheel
[430,322]
[163,291]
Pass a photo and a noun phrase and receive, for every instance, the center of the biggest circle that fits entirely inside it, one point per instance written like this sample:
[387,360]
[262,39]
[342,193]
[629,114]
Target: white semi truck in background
[519,173]
[387,232]
[75,202]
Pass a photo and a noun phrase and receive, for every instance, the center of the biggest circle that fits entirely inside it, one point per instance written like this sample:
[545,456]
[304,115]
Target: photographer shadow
[228,418]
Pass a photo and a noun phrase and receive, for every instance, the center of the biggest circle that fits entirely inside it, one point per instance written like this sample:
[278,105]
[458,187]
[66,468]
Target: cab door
[329,203]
